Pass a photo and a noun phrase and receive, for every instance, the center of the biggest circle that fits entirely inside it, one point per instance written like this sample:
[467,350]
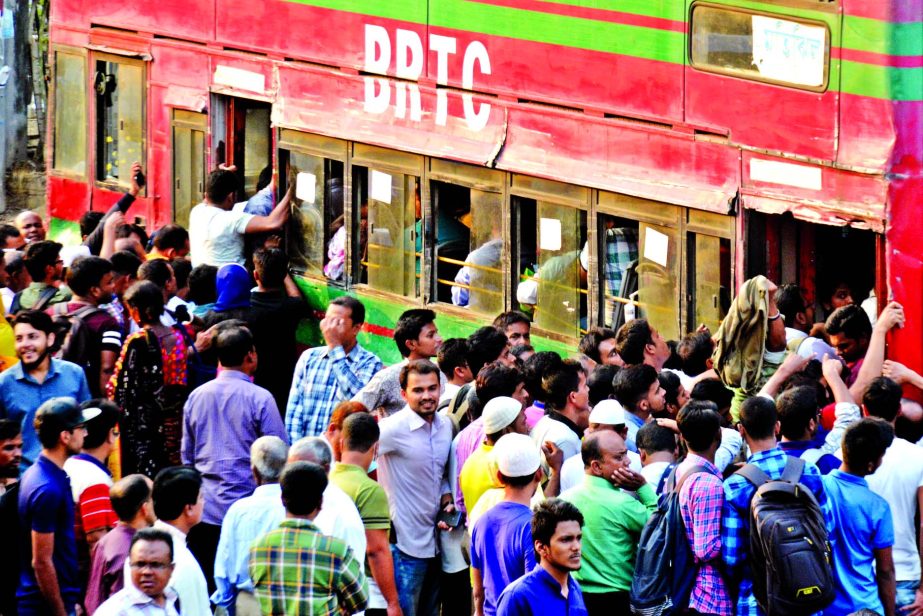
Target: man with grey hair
[246,521]
[338,515]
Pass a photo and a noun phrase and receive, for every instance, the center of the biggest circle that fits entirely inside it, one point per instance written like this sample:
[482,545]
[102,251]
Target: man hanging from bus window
[216,233]
[859,344]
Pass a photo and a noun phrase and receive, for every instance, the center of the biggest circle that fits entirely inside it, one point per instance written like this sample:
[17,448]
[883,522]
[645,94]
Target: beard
[11,471]
[29,366]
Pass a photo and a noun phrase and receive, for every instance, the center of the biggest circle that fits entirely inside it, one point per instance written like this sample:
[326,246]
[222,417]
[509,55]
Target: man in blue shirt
[37,378]
[550,588]
[863,532]
[48,580]
[759,423]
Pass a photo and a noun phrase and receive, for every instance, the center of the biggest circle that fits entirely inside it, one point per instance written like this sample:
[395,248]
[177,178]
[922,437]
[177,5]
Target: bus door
[189,166]
[771,69]
[242,137]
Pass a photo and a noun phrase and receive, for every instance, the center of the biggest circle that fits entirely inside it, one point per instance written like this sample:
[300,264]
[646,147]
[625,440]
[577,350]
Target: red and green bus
[586,160]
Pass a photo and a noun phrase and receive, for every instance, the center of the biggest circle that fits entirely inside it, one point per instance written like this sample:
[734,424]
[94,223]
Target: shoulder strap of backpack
[45,297]
[669,473]
[692,471]
[794,467]
[15,304]
[754,474]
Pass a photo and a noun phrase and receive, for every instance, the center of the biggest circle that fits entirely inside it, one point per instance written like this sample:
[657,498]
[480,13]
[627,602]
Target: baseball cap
[608,413]
[517,455]
[500,412]
[64,413]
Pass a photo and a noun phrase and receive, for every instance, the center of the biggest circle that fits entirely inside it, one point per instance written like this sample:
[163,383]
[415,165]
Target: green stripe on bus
[662,9]
[899,84]
[404,10]
[895,39]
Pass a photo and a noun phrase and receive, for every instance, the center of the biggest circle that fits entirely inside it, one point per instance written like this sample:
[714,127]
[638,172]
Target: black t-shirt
[273,320]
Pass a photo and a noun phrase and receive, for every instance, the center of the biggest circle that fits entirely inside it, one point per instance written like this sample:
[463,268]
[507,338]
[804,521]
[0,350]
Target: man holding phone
[413,455]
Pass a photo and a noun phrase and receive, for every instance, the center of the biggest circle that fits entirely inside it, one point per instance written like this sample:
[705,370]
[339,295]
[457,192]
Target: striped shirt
[323,378]
[297,570]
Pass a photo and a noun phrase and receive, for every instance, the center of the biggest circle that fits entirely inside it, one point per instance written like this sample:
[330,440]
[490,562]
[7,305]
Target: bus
[587,161]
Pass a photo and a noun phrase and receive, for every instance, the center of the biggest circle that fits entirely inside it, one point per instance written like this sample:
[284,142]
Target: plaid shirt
[621,250]
[323,378]
[735,531]
[700,501]
[296,570]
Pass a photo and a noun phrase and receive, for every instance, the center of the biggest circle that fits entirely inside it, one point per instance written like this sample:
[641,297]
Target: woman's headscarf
[233,284]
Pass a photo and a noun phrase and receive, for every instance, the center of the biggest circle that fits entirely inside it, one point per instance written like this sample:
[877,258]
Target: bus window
[317,234]
[761,47]
[70,114]
[553,261]
[469,247]
[389,220]
[189,129]
[618,260]
[119,88]
[709,267]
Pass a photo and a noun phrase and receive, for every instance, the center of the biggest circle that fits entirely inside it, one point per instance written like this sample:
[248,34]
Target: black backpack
[790,555]
[74,341]
[665,567]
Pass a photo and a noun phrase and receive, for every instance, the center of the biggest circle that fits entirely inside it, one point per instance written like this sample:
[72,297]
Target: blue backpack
[665,568]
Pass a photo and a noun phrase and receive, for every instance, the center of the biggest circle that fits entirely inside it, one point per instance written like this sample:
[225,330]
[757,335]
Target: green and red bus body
[604,94]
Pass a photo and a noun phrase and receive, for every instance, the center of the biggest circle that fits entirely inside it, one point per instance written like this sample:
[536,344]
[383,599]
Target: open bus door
[242,137]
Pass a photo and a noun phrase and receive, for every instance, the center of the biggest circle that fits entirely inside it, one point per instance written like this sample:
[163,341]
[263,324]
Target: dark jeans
[607,603]
[455,593]
[202,541]
[417,582]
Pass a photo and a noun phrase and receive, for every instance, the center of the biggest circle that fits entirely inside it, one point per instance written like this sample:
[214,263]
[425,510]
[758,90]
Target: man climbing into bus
[216,232]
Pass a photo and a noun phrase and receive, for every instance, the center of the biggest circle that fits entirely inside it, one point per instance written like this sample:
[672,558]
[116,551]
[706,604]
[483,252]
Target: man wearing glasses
[151,564]
[48,582]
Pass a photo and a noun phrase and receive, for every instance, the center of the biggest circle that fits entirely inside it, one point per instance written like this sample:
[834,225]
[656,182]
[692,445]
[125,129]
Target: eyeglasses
[153,566]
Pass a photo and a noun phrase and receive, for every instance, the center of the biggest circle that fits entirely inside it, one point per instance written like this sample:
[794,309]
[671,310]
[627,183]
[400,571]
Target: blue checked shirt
[323,378]
[621,250]
[735,521]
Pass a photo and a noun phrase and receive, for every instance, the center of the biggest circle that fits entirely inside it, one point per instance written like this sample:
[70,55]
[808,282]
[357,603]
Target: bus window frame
[741,74]
[473,178]
[720,226]
[88,158]
[310,144]
[564,195]
[95,135]
[388,161]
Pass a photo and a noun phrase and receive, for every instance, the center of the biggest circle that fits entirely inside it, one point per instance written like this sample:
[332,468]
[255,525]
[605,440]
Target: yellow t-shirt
[478,475]
[7,345]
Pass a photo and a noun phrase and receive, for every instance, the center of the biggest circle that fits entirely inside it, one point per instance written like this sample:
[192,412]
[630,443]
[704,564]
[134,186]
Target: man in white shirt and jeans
[216,232]
[899,480]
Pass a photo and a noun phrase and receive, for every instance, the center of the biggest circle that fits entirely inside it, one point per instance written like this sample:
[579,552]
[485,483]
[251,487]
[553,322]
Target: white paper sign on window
[380,187]
[306,187]
[789,51]
[656,246]
[549,233]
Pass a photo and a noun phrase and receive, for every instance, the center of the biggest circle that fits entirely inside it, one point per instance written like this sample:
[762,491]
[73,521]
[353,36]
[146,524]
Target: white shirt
[448,390]
[653,472]
[216,237]
[897,481]
[565,439]
[132,602]
[572,471]
[84,474]
[339,518]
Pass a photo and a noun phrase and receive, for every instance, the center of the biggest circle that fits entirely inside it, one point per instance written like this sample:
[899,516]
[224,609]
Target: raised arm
[276,218]
[891,316]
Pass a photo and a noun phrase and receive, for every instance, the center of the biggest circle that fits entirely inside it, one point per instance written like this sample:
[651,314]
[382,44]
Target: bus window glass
[762,47]
[709,261]
[70,114]
[553,260]
[257,146]
[119,119]
[317,235]
[389,221]
[658,278]
[618,260]
[469,247]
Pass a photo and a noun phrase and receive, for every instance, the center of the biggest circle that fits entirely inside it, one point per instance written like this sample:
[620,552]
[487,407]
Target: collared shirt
[862,524]
[132,602]
[323,378]
[46,506]
[612,526]
[297,570]
[413,457]
[107,566]
[621,251]
[573,469]
[216,236]
[21,395]
[537,594]
[466,443]
[384,390]
[700,500]
[31,294]
[633,423]
[221,420]
[735,520]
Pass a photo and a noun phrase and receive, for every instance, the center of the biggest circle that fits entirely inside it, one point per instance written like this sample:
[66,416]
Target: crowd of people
[164,448]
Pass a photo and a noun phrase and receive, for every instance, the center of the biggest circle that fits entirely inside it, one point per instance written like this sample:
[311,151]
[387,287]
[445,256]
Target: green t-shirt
[370,498]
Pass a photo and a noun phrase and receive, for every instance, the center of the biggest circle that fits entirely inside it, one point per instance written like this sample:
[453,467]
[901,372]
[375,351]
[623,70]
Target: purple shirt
[221,420]
[107,566]
[469,439]
[502,549]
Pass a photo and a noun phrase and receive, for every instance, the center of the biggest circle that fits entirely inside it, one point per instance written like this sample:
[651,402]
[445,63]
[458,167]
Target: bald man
[31,226]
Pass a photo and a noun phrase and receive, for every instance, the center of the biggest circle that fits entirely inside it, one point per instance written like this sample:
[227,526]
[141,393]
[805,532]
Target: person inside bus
[860,345]
[31,227]
[216,233]
[555,283]
[481,270]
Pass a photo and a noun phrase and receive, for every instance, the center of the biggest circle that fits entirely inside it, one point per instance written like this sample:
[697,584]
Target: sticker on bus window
[380,187]
[789,51]
[306,187]
[656,246]
[549,233]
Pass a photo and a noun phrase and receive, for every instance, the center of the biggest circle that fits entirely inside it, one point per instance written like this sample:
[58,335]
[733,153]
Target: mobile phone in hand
[140,180]
[452,519]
